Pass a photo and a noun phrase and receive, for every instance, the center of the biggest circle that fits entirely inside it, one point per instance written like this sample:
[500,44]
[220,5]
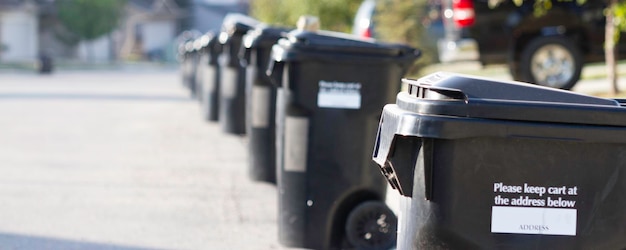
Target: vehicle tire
[551,61]
[371,225]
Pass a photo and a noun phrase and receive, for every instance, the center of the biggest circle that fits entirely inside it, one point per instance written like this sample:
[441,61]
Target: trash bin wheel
[371,225]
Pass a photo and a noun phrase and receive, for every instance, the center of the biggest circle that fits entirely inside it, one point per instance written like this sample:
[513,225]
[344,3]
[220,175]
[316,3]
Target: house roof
[142,4]
[18,3]
[157,8]
[11,4]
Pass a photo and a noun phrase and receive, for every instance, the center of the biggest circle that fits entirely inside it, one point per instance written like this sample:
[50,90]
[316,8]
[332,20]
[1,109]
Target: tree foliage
[406,21]
[90,19]
[542,6]
[619,13]
[334,15]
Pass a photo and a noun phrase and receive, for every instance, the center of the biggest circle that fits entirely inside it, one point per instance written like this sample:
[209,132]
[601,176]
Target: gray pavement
[120,160]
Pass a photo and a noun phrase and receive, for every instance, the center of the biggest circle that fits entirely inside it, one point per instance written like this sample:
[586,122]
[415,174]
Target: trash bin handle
[275,72]
[244,56]
[421,90]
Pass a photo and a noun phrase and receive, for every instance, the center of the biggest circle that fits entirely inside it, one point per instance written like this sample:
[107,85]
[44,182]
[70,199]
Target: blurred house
[207,15]
[150,27]
[147,31]
[19,25]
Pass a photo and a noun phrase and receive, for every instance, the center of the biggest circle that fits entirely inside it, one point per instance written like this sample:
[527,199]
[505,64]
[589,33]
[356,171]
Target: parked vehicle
[365,23]
[548,49]
[364,19]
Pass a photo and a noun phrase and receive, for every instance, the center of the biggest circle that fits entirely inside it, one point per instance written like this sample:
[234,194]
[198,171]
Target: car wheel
[551,61]
[371,225]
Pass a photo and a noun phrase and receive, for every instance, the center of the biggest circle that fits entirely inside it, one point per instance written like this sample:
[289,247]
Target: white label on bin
[199,74]
[295,149]
[208,79]
[533,220]
[525,208]
[229,82]
[341,95]
[260,106]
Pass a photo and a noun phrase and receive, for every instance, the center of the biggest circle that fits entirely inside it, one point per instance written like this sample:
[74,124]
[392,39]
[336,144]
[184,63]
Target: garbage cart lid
[198,44]
[236,24]
[207,39]
[264,35]
[300,44]
[469,96]
[189,46]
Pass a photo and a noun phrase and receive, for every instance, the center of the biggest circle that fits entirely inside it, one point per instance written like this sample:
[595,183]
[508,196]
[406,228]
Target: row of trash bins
[480,164]
[309,102]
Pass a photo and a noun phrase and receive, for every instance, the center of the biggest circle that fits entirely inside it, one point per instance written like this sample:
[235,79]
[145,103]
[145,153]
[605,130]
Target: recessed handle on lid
[431,92]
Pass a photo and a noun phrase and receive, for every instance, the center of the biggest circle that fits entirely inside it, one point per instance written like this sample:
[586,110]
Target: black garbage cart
[332,87]
[185,56]
[189,66]
[504,165]
[261,102]
[208,76]
[232,73]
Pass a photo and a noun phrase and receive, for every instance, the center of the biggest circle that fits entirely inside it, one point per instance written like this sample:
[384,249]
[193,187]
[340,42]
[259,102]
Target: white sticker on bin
[228,83]
[340,95]
[295,148]
[260,106]
[526,208]
[533,220]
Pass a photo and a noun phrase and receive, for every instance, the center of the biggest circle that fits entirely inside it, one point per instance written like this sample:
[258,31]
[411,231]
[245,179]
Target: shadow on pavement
[18,242]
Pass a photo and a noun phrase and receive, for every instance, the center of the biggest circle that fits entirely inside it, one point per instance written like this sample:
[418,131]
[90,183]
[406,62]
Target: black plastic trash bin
[185,48]
[505,165]
[181,57]
[232,73]
[208,76]
[198,47]
[185,65]
[189,67]
[44,64]
[333,86]
[261,103]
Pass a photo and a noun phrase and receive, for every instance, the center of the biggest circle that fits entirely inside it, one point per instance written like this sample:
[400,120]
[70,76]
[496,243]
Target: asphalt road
[120,160]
